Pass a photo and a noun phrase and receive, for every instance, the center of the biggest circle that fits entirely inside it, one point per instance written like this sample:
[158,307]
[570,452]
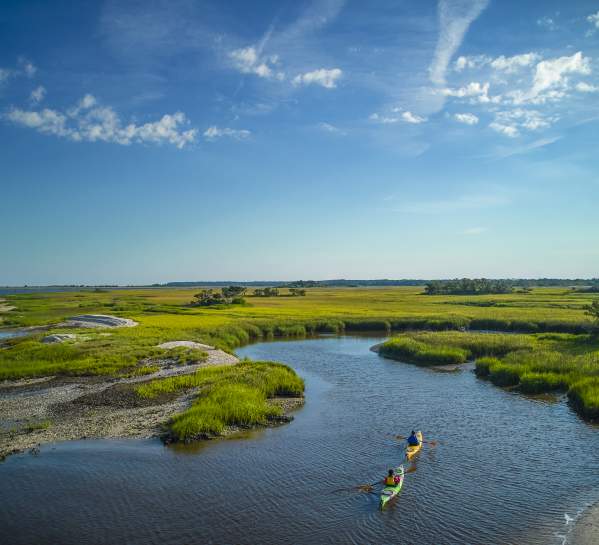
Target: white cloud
[85,103]
[512,64]
[466,118]
[594,19]
[383,119]
[38,94]
[507,130]
[92,123]
[4,74]
[248,61]
[405,116]
[462,63]
[475,91]
[473,231]
[46,121]
[455,17]
[585,87]
[214,132]
[501,63]
[511,122]
[409,117]
[550,79]
[324,77]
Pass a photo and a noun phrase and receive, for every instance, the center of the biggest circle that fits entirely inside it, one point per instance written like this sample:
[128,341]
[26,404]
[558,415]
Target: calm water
[510,470]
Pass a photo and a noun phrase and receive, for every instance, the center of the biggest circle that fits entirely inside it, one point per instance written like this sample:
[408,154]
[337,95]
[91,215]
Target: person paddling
[413,440]
[391,479]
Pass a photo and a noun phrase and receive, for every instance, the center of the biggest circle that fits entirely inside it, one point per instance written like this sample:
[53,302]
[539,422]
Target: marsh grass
[554,318]
[421,353]
[228,396]
[451,347]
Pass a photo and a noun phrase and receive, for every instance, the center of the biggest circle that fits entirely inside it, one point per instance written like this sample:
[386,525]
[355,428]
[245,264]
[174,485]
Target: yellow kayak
[413,449]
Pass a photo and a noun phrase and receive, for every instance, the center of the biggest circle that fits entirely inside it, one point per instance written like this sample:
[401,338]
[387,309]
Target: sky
[155,141]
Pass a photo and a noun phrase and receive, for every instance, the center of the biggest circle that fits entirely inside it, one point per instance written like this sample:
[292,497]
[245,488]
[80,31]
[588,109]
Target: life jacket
[390,480]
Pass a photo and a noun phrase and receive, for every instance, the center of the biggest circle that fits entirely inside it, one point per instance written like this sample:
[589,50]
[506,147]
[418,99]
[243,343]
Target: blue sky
[154,141]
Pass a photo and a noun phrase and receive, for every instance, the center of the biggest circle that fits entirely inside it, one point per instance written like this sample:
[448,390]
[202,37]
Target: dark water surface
[510,470]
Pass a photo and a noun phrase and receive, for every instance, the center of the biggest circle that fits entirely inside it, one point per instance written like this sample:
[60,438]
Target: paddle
[368,487]
[360,487]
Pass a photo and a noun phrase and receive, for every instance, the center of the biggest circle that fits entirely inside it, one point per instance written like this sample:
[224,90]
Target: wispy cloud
[90,122]
[455,17]
[502,153]
[327,127]
[214,133]
[24,67]
[511,122]
[466,118]
[547,22]
[464,202]
[38,94]
[594,20]
[398,116]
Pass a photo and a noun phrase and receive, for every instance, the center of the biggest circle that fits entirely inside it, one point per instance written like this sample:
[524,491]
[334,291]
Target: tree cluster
[266,292]
[297,292]
[467,286]
[226,296]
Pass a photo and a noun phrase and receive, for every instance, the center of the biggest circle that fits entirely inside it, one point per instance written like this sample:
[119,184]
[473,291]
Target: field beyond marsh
[553,320]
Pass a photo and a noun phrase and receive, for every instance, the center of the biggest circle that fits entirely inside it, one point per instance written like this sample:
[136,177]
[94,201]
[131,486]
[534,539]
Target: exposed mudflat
[42,410]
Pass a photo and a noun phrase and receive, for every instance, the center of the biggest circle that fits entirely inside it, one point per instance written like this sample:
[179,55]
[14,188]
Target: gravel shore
[43,410]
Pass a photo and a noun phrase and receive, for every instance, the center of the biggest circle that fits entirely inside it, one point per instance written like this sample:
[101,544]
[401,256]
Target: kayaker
[413,440]
[391,479]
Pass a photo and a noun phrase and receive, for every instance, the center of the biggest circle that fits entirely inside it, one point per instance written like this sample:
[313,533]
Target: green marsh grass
[554,317]
[451,347]
[228,396]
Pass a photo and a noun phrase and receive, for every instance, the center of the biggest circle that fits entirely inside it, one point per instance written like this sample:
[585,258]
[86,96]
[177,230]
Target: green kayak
[389,492]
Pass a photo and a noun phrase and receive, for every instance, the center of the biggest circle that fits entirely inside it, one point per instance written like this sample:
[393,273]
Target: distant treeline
[468,286]
[513,282]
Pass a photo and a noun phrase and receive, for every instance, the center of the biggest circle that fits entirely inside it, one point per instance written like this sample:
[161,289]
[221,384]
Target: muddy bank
[49,409]
[586,531]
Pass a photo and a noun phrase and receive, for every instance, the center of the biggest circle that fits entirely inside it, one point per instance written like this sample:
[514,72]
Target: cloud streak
[215,133]
[455,17]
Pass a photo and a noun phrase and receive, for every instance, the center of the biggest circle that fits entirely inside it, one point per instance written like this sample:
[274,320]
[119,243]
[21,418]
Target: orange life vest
[389,480]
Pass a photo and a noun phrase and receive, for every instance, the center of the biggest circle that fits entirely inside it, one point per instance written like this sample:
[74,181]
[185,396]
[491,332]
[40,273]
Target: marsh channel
[508,469]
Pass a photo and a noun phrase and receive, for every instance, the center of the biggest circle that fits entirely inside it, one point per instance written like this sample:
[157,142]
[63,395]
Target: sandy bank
[98,320]
[586,530]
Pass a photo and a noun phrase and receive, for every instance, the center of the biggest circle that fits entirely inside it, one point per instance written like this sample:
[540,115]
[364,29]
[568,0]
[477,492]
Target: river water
[508,469]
